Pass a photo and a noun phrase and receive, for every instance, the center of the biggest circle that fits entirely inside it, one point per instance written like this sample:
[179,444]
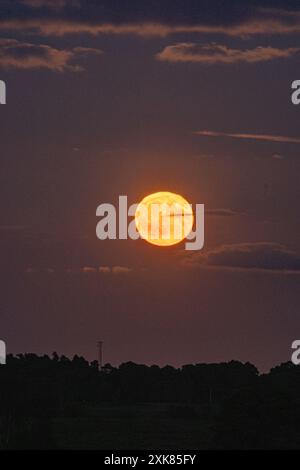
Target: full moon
[164,218]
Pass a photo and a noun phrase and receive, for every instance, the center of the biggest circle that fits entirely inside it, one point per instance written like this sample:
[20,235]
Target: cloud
[210,54]
[277,156]
[265,137]
[104,269]
[80,270]
[55,5]
[107,269]
[24,55]
[267,256]
[121,270]
[114,269]
[223,213]
[89,269]
[241,18]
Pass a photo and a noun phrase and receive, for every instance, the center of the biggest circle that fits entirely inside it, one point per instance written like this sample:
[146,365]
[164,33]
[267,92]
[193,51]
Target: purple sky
[107,100]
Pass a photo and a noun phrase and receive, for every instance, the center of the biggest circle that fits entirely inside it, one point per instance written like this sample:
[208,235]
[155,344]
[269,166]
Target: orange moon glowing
[164,218]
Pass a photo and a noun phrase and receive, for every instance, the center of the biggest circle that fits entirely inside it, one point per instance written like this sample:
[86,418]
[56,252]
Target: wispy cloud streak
[210,54]
[25,55]
[264,137]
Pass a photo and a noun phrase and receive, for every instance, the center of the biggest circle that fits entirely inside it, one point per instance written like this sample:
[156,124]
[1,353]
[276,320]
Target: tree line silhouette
[248,409]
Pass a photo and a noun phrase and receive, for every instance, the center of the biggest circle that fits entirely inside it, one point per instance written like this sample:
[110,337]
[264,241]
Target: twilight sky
[106,98]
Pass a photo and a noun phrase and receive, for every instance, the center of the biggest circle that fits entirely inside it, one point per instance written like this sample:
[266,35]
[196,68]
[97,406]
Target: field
[144,426]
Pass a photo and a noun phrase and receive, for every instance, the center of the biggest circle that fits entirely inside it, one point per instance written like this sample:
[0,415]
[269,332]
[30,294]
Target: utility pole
[100,356]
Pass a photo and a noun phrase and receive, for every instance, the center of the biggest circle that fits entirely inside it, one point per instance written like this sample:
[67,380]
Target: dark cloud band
[257,256]
[151,18]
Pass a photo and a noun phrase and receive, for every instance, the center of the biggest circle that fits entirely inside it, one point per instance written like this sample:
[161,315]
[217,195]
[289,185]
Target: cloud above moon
[211,54]
[57,18]
[243,18]
[25,55]
[246,136]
